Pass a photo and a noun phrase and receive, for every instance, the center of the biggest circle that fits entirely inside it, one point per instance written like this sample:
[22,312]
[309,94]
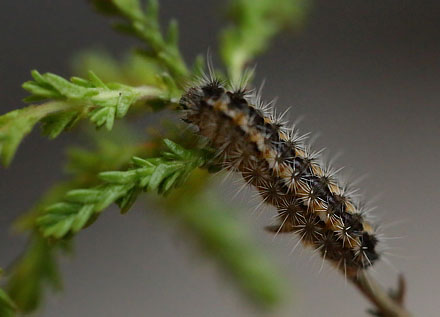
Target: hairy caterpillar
[251,140]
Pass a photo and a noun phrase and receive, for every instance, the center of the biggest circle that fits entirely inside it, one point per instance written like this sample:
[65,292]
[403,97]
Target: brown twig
[386,304]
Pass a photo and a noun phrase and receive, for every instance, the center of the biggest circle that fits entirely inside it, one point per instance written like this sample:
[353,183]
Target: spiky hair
[253,140]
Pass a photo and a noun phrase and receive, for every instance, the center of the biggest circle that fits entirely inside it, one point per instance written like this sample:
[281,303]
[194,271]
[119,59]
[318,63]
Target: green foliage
[85,164]
[7,306]
[133,69]
[225,239]
[111,150]
[82,206]
[150,78]
[71,101]
[101,103]
[35,269]
[144,24]
[254,24]
[15,125]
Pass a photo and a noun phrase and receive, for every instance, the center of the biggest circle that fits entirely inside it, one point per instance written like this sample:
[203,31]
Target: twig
[386,304]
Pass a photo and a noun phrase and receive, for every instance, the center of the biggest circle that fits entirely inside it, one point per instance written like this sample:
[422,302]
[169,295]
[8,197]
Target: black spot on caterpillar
[310,202]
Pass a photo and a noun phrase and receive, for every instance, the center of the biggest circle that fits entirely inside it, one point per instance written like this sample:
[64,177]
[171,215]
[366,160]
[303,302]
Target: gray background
[365,75]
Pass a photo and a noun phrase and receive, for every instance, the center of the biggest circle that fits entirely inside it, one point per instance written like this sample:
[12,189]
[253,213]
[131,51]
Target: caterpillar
[251,140]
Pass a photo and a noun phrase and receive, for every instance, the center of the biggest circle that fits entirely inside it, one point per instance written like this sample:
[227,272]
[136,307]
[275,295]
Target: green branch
[156,74]
[70,102]
[144,24]
[15,125]
[82,206]
[7,305]
[210,223]
[132,69]
[36,267]
[255,23]
[224,239]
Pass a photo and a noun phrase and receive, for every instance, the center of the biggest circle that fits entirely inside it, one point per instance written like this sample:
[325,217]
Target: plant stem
[45,109]
[386,305]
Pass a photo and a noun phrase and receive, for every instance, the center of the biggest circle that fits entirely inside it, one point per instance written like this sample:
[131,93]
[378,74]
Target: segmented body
[271,157]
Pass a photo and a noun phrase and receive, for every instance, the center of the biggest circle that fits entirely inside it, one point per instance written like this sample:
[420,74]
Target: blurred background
[363,74]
